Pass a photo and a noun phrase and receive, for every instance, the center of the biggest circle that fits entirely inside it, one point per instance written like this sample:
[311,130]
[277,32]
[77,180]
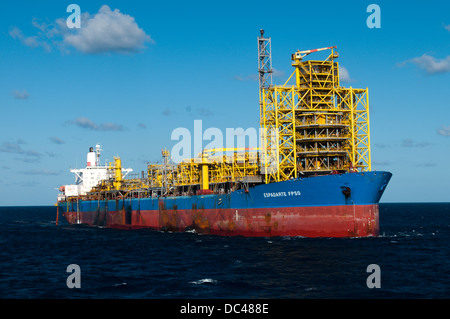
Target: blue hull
[312,206]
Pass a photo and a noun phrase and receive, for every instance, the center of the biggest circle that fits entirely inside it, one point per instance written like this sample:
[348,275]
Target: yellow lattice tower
[278,122]
[356,104]
[314,126]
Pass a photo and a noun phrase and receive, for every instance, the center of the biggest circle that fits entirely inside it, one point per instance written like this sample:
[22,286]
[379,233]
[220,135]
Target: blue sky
[164,64]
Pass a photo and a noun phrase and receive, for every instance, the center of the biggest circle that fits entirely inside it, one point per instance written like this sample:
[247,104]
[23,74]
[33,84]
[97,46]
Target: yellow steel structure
[205,172]
[118,182]
[242,165]
[187,173]
[117,172]
[210,167]
[314,126]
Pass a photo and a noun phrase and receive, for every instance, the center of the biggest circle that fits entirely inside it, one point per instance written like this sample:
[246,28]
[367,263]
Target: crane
[299,55]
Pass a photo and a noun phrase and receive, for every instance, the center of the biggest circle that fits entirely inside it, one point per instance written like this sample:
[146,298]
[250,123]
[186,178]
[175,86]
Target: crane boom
[315,50]
[301,54]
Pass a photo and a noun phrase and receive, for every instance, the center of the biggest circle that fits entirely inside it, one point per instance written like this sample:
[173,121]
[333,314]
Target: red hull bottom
[327,221]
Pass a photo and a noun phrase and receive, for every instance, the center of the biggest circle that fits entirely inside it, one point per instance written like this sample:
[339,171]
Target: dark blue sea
[412,254]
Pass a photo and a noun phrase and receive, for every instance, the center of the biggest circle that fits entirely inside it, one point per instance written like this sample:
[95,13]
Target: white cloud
[204,111]
[430,64]
[30,41]
[408,142]
[199,111]
[15,148]
[86,123]
[447,27]
[250,77]
[277,73]
[167,112]
[27,156]
[56,140]
[20,95]
[444,131]
[426,164]
[40,172]
[344,76]
[107,31]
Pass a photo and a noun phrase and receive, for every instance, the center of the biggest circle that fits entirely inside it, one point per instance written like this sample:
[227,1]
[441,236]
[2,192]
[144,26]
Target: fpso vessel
[311,177]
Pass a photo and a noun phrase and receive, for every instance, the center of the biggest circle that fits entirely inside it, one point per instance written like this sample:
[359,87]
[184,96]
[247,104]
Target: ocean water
[412,254]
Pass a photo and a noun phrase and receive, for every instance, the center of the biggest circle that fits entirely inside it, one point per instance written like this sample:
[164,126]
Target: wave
[204,281]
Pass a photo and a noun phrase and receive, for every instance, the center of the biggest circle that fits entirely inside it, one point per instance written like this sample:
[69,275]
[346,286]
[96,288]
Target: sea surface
[412,254]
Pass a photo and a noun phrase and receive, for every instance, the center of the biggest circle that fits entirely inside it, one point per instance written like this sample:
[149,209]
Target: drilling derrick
[314,126]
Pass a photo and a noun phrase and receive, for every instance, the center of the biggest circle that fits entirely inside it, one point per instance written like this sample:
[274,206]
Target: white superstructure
[87,178]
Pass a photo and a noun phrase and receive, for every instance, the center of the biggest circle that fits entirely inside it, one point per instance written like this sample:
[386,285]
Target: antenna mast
[264,65]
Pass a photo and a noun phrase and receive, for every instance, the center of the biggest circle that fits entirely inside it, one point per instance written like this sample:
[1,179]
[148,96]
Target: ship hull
[342,205]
